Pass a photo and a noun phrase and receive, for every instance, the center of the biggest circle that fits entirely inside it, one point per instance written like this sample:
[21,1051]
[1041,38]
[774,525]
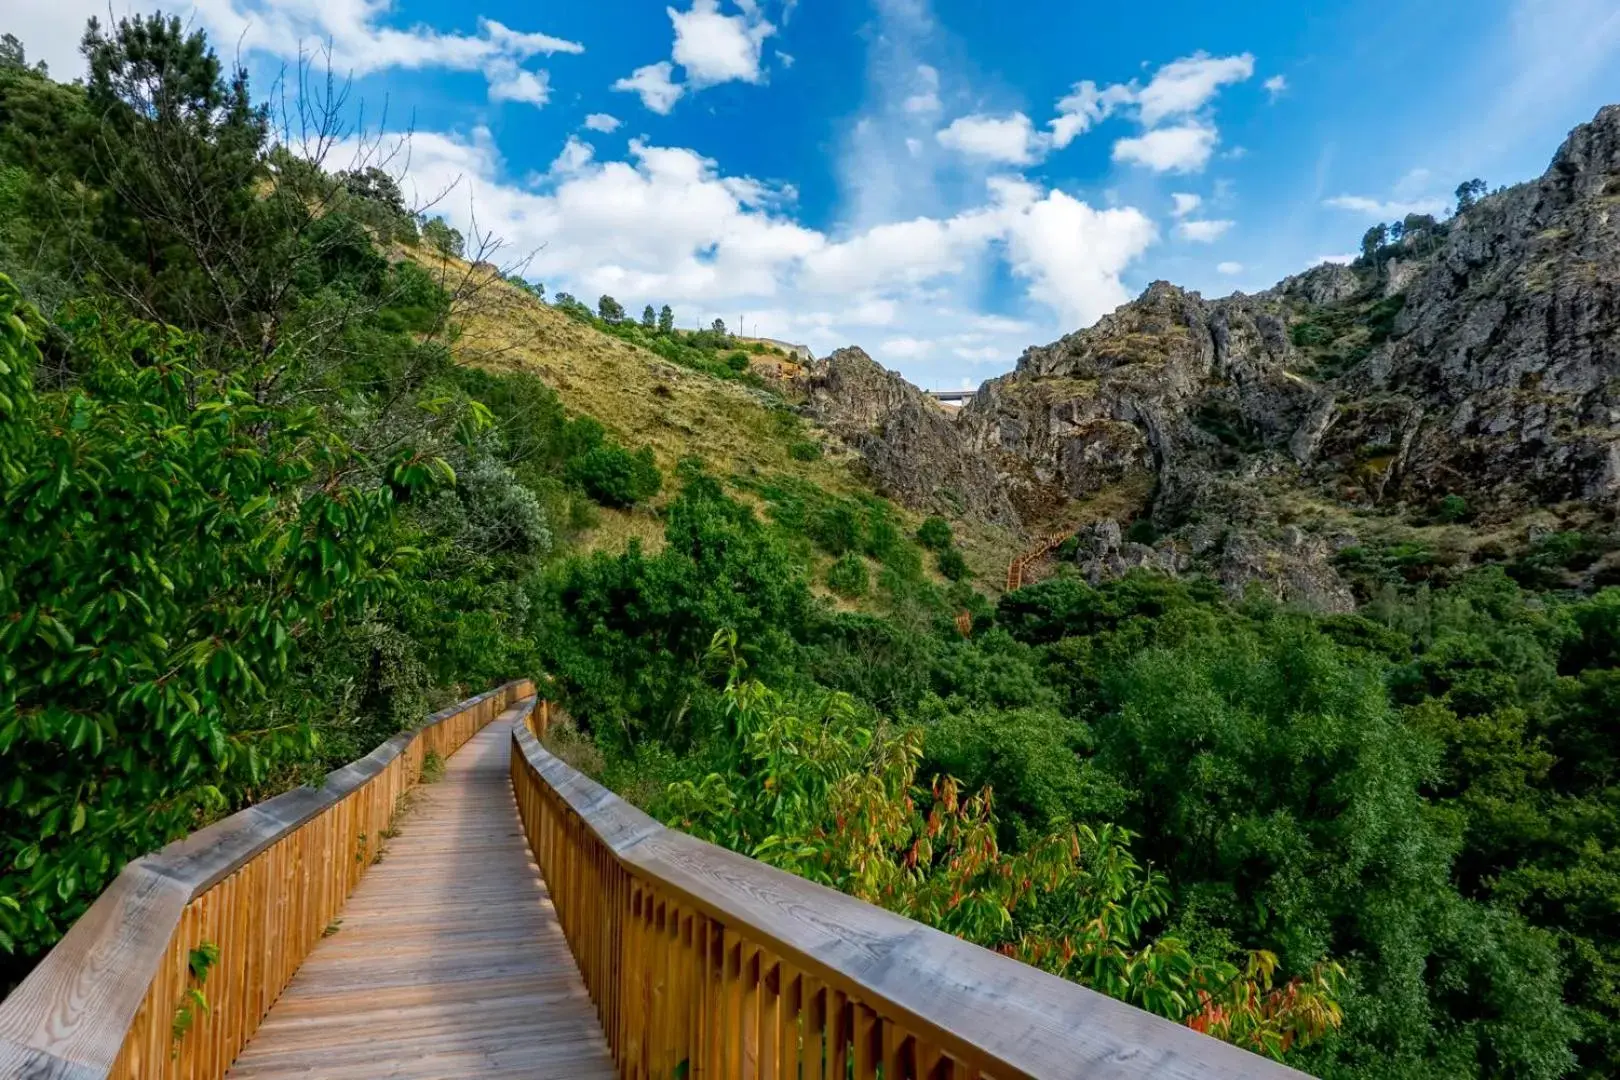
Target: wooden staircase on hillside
[1018,569]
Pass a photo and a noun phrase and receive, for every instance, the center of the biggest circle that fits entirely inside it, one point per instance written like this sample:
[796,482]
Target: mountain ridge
[1470,370]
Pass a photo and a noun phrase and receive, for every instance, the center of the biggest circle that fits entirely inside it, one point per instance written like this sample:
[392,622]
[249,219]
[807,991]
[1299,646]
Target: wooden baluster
[790,985]
[897,1064]
[865,1037]
[837,1035]
[770,994]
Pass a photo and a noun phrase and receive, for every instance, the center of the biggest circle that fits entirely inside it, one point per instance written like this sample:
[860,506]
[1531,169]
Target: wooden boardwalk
[449,960]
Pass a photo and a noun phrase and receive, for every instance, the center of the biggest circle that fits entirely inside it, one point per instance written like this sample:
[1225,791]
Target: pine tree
[666,320]
[648,318]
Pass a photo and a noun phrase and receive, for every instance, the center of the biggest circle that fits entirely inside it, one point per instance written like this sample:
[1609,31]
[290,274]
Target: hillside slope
[747,432]
[1457,393]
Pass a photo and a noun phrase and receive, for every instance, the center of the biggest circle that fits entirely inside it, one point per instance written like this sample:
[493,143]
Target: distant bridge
[950,397]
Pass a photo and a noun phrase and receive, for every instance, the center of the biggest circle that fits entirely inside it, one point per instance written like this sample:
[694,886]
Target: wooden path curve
[448,960]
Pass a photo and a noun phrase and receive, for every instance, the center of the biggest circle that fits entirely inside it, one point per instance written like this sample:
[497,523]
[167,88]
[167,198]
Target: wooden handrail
[261,886]
[1021,563]
[705,963]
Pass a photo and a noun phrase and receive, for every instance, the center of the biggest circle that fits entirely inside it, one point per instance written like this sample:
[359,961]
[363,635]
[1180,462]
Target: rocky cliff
[1474,367]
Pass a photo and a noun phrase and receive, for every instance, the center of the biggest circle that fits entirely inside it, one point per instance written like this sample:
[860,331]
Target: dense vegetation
[253,519]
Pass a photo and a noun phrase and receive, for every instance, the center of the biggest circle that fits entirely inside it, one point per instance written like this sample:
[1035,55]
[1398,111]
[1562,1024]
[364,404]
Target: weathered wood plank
[259,884]
[448,961]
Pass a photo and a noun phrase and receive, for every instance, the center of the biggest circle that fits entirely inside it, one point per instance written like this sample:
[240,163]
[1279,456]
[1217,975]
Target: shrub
[952,565]
[613,476]
[804,450]
[835,529]
[935,534]
[737,361]
[1453,509]
[1141,531]
[847,577]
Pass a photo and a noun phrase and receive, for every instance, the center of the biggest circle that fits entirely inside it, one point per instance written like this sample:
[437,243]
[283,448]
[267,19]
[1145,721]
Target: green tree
[1468,193]
[649,318]
[666,320]
[1371,241]
[609,309]
[614,476]
[167,542]
[444,239]
[934,533]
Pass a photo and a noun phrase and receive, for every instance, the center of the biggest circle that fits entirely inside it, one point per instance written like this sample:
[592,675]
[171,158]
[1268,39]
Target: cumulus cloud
[710,47]
[360,43]
[1084,106]
[1182,149]
[602,122]
[658,91]
[1203,232]
[1229,268]
[1011,140]
[1184,203]
[714,47]
[1276,86]
[508,82]
[1182,87]
[667,225]
[1179,95]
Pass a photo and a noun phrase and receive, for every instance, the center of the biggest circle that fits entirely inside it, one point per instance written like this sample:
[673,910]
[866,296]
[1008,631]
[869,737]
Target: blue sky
[942,182]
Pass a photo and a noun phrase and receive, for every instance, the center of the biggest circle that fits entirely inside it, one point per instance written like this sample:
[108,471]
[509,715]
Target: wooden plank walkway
[449,960]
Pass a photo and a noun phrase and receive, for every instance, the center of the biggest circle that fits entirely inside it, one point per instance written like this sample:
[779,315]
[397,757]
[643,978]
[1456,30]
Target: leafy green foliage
[935,533]
[614,476]
[848,577]
[163,553]
[952,565]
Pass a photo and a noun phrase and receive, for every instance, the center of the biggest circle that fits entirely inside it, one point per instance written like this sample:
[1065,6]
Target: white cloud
[665,225]
[361,44]
[602,122]
[1008,139]
[1084,106]
[1185,203]
[1073,255]
[658,91]
[1179,91]
[787,60]
[710,47]
[1276,86]
[1342,260]
[508,82]
[1229,268]
[1382,208]
[1184,86]
[1203,232]
[1182,149]
[573,158]
[716,48]
[926,99]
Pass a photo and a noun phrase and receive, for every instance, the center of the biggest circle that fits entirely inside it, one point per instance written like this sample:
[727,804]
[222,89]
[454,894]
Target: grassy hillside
[745,429]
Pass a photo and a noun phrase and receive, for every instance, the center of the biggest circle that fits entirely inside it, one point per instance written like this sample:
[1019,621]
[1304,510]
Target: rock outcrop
[912,448]
[1479,358]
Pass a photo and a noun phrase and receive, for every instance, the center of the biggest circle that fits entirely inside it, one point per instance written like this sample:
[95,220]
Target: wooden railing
[704,963]
[1019,566]
[260,887]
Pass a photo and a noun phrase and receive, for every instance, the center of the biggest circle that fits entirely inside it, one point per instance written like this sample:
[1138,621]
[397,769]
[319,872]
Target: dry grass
[642,399]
